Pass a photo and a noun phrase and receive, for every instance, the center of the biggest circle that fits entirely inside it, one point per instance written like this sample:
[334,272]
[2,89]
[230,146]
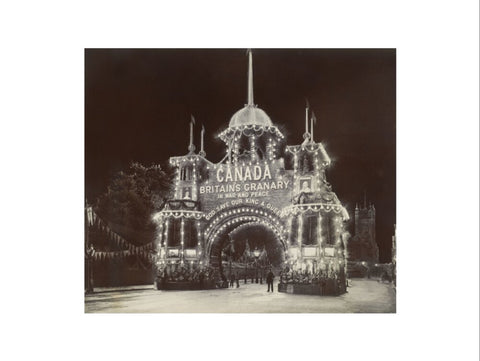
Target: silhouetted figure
[163,277]
[270,278]
[201,278]
[224,281]
[232,279]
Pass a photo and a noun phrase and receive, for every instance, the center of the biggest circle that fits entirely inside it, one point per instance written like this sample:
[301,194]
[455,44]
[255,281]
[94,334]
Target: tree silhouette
[132,197]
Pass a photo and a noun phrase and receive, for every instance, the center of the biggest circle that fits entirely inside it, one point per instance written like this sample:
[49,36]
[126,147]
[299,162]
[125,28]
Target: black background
[138,104]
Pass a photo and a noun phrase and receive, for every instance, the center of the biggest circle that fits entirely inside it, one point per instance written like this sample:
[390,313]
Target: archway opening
[248,250]
[259,240]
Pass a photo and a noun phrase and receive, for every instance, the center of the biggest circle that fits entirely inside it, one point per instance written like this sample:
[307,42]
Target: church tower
[363,246]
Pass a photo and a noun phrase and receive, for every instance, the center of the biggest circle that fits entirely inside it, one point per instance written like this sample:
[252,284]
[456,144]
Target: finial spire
[202,134]
[313,120]
[191,146]
[307,106]
[250,78]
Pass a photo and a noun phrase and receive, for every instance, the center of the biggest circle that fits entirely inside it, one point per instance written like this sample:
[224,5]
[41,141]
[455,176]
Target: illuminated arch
[234,217]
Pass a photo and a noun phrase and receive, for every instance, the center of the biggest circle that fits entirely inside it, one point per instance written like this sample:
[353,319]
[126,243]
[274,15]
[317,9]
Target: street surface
[364,296]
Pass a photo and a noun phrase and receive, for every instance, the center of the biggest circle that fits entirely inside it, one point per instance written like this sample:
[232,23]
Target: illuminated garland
[311,148]
[179,214]
[315,207]
[187,158]
[253,127]
[244,212]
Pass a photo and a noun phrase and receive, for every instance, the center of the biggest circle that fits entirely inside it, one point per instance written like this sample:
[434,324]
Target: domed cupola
[250,115]
[251,134]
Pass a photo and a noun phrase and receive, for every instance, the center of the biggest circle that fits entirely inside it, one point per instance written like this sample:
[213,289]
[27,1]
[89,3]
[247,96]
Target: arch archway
[252,237]
[236,219]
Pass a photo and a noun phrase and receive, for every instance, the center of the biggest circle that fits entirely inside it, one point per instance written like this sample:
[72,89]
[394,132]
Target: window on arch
[186,173]
[310,229]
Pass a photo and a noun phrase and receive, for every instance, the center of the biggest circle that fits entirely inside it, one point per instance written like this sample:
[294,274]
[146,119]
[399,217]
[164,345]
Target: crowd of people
[184,274]
[323,281]
[290,276]
[207,275]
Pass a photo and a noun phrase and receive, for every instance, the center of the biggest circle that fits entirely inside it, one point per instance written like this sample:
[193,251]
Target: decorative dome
[250,115]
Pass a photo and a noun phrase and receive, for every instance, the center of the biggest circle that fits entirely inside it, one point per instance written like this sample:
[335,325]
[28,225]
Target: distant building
[363,246]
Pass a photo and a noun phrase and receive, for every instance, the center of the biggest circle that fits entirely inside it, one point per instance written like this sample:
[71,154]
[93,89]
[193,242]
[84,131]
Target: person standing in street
[270,278]
[201,277]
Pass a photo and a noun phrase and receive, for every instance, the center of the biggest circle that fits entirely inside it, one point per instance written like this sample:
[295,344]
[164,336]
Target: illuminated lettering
[238,173]
[267,173]
[229,177]
[248,175]
[219,178]
[241,174]
[257,172]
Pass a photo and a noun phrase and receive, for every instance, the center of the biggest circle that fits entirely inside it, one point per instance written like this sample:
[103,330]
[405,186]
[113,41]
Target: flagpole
[306,119]
[191,133]
[202,135]
[311,127]
[191,147]
[313,120]
[306,135]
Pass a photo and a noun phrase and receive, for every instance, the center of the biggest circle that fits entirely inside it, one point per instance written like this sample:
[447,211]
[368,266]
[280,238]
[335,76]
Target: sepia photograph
[240,180]
[244,180]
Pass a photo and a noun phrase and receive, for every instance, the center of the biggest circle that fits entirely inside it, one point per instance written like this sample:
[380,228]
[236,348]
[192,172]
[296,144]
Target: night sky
[138,105]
